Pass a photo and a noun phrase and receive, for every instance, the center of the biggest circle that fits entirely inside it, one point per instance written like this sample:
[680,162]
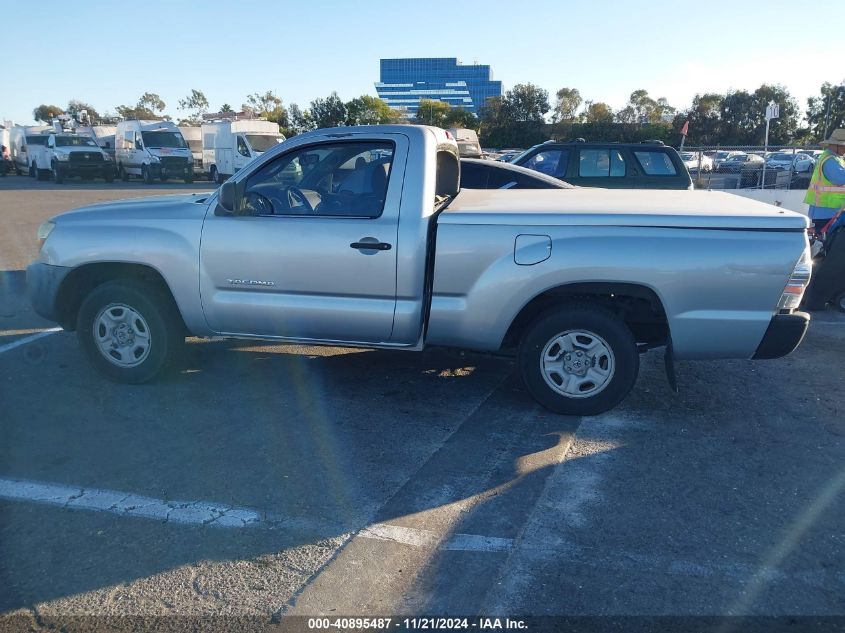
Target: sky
[108,53]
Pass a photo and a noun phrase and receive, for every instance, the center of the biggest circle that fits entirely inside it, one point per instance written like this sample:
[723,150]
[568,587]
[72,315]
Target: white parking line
[130,505]
[8,347]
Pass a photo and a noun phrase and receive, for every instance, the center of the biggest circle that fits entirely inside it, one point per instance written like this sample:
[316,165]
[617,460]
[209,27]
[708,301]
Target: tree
[743,116]
[46,113]
[299,121]
[328,112]
[643,110]
[568,102]
[460,118]
[367,110]
[267,106]
[597,112]
[149,106]
[817,110]
[432,112]
[226,108]
[705,121]
[74,107]
[197,104]
[526,102]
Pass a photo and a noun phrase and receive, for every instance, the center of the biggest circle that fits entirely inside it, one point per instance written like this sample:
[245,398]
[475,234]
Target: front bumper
[86,169]
[173,170]
[784,334]
[42,288]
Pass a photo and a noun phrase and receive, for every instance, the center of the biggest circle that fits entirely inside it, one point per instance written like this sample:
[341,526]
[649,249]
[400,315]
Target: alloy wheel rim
[577,363]
[121,335]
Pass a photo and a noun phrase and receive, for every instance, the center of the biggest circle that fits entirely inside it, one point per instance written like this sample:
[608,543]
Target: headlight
[106,157]
[62,157]
[44,232]
[154,159]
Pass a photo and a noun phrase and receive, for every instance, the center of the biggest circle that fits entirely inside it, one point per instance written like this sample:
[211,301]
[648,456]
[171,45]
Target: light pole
[827,114]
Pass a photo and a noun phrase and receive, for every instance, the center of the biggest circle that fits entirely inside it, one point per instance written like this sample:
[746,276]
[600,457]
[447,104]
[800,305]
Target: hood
[618,207]
[172,207]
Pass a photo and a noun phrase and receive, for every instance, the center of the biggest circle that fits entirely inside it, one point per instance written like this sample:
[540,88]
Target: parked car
[721,156]
[152,150]
[490,174]
[70,155]
[509,155]
[576,282]
[741,162]
[468,143]
[788,160]
[609,165]
[695,161]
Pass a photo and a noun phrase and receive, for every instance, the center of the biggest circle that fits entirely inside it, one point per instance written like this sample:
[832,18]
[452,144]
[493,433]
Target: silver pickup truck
[362,237]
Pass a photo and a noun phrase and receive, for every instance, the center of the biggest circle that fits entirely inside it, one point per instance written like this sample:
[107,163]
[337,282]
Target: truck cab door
[311,251]
[242,153]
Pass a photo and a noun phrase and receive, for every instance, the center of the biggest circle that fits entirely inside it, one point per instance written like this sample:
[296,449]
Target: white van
[193,137]
[152,149]
[28,149]
[228,146]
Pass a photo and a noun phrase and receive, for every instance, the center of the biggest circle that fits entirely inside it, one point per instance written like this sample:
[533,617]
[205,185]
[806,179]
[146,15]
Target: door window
[243,150]
[552,162]
[655,163]
[343,179]
[138,143]
[601,163]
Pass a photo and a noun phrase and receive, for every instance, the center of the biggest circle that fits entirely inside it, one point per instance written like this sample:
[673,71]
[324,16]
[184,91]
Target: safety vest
[822,192]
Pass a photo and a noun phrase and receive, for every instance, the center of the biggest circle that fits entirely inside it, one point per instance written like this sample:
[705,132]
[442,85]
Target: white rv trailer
[227,146]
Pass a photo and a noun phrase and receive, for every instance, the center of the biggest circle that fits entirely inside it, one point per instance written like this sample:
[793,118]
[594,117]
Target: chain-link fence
[750,167]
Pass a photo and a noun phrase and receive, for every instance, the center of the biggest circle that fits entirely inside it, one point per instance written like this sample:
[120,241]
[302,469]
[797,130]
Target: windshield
[263,142]
[722,154]
[162,139]
[781,157]
[687,156]
[37,140]
[75,141]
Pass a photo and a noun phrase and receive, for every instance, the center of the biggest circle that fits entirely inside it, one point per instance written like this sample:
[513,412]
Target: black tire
[189,180]
[124,175]
[166,332]
[33,171]
[57,175]
[109,177]
[147,175]
[162,177]
[215,176]
[624,360]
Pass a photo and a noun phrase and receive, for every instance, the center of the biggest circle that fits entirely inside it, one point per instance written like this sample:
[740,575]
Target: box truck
[227,146]
[27,149]
[151,150]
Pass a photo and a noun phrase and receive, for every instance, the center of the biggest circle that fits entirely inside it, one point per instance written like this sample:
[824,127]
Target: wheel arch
[79,283]
[639,306]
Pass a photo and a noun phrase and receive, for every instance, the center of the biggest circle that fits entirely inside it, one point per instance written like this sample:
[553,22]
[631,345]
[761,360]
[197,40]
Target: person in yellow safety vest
[826,193]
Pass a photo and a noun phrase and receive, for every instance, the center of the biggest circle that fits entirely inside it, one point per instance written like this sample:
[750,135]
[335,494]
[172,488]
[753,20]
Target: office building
[403,82]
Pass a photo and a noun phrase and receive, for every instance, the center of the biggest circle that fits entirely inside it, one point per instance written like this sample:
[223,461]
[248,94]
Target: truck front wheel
[130,330]
[58,178]
[147,175]
[578,360]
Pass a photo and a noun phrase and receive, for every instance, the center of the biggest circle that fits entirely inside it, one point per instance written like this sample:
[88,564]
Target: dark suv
[647,165]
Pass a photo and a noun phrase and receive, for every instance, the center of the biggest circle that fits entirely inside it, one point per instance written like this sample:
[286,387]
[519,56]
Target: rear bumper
[42,288]
[784,334]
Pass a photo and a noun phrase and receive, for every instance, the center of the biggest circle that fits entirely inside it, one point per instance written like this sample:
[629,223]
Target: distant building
[403,82]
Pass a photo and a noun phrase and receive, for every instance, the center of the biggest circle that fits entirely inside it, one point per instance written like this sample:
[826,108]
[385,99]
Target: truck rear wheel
[215,175]
[147,175]
[129,330]
[578,360]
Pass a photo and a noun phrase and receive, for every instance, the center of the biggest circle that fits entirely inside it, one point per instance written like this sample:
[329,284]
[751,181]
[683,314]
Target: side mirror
[226,199]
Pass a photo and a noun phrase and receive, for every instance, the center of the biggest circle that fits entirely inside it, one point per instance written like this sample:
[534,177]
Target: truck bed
[576,207]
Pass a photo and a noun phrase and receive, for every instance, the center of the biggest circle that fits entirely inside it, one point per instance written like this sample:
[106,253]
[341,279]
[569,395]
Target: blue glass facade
[403,82]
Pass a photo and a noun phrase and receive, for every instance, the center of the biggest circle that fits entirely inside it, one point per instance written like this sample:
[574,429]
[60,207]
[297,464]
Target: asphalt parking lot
[273,480]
